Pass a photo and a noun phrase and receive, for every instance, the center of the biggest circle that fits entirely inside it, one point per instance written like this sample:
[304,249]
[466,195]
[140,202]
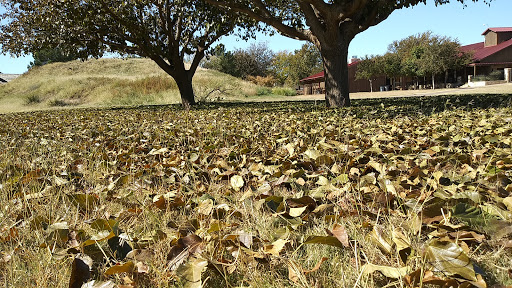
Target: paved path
[491,89]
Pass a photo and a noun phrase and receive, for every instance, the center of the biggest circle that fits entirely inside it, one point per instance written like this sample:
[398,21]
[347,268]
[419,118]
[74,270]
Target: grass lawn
[399,192]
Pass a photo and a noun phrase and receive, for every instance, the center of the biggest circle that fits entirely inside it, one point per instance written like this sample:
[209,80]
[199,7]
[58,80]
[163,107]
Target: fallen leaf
[295,273]
[276,247]
[340,233]
[317,266]
[326,240]
[120,268]
[508,202]
[390,272]
[449,258]
[80,271]
[99,284]
[297,212]
[142,268]
[237,182]
[186,246]
[381,239]
[190,272]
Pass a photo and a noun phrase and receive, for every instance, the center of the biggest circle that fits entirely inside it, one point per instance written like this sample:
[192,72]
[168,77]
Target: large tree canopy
[429,54]
[329,24]
[164,30]
[291,67]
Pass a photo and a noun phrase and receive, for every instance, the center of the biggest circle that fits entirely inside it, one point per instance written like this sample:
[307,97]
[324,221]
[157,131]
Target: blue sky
[453,20]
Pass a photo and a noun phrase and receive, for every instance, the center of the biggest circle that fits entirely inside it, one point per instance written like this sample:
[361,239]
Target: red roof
[498,29]
[321,75]
[313,77]
[481,52]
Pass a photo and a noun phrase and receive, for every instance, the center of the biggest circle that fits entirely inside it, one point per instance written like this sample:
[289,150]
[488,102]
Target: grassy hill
[113,82]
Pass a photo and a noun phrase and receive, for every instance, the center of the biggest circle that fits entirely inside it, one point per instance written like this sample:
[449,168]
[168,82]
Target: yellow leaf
[388,271]
[508,202]
[276,247]
[237,182]
[120,268]
[437,175]
[296,212]
[190,272]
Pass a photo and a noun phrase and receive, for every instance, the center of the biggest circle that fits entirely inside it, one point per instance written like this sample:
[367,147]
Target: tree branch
[292,32]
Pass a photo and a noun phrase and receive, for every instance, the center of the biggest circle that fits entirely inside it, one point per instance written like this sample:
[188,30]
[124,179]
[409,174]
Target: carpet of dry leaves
[406,192]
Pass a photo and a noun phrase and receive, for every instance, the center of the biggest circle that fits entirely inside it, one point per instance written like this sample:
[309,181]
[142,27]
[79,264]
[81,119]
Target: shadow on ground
[361,108]
[377,108]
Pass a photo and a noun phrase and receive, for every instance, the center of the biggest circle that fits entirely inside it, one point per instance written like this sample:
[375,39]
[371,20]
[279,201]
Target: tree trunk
[371,86]
[433,82]
[186,91]
[182,76]
[336,74]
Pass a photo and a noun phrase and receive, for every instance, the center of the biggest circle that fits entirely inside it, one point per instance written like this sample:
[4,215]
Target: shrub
[267,81]
[58,103]
[262,91]
[33,99]
[284,91]
[496,75]
[493,76]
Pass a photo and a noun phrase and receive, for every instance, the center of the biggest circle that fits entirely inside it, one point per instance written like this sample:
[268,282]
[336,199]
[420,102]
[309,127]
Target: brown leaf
[142,268]
[340,233]
[94,284]
[414,279]
[80,271]
[140,255]
[12,234]
[186,246]
[467,236]
[317,266]
[326,240]
[479,283]
[294,272]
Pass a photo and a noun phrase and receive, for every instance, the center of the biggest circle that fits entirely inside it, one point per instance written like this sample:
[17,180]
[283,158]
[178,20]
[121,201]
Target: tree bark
[186,91]
[336,74]
[182,76]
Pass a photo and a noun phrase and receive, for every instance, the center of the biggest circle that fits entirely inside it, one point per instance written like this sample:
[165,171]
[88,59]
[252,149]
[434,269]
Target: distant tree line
[51,55]
[418,57]
[258,63]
